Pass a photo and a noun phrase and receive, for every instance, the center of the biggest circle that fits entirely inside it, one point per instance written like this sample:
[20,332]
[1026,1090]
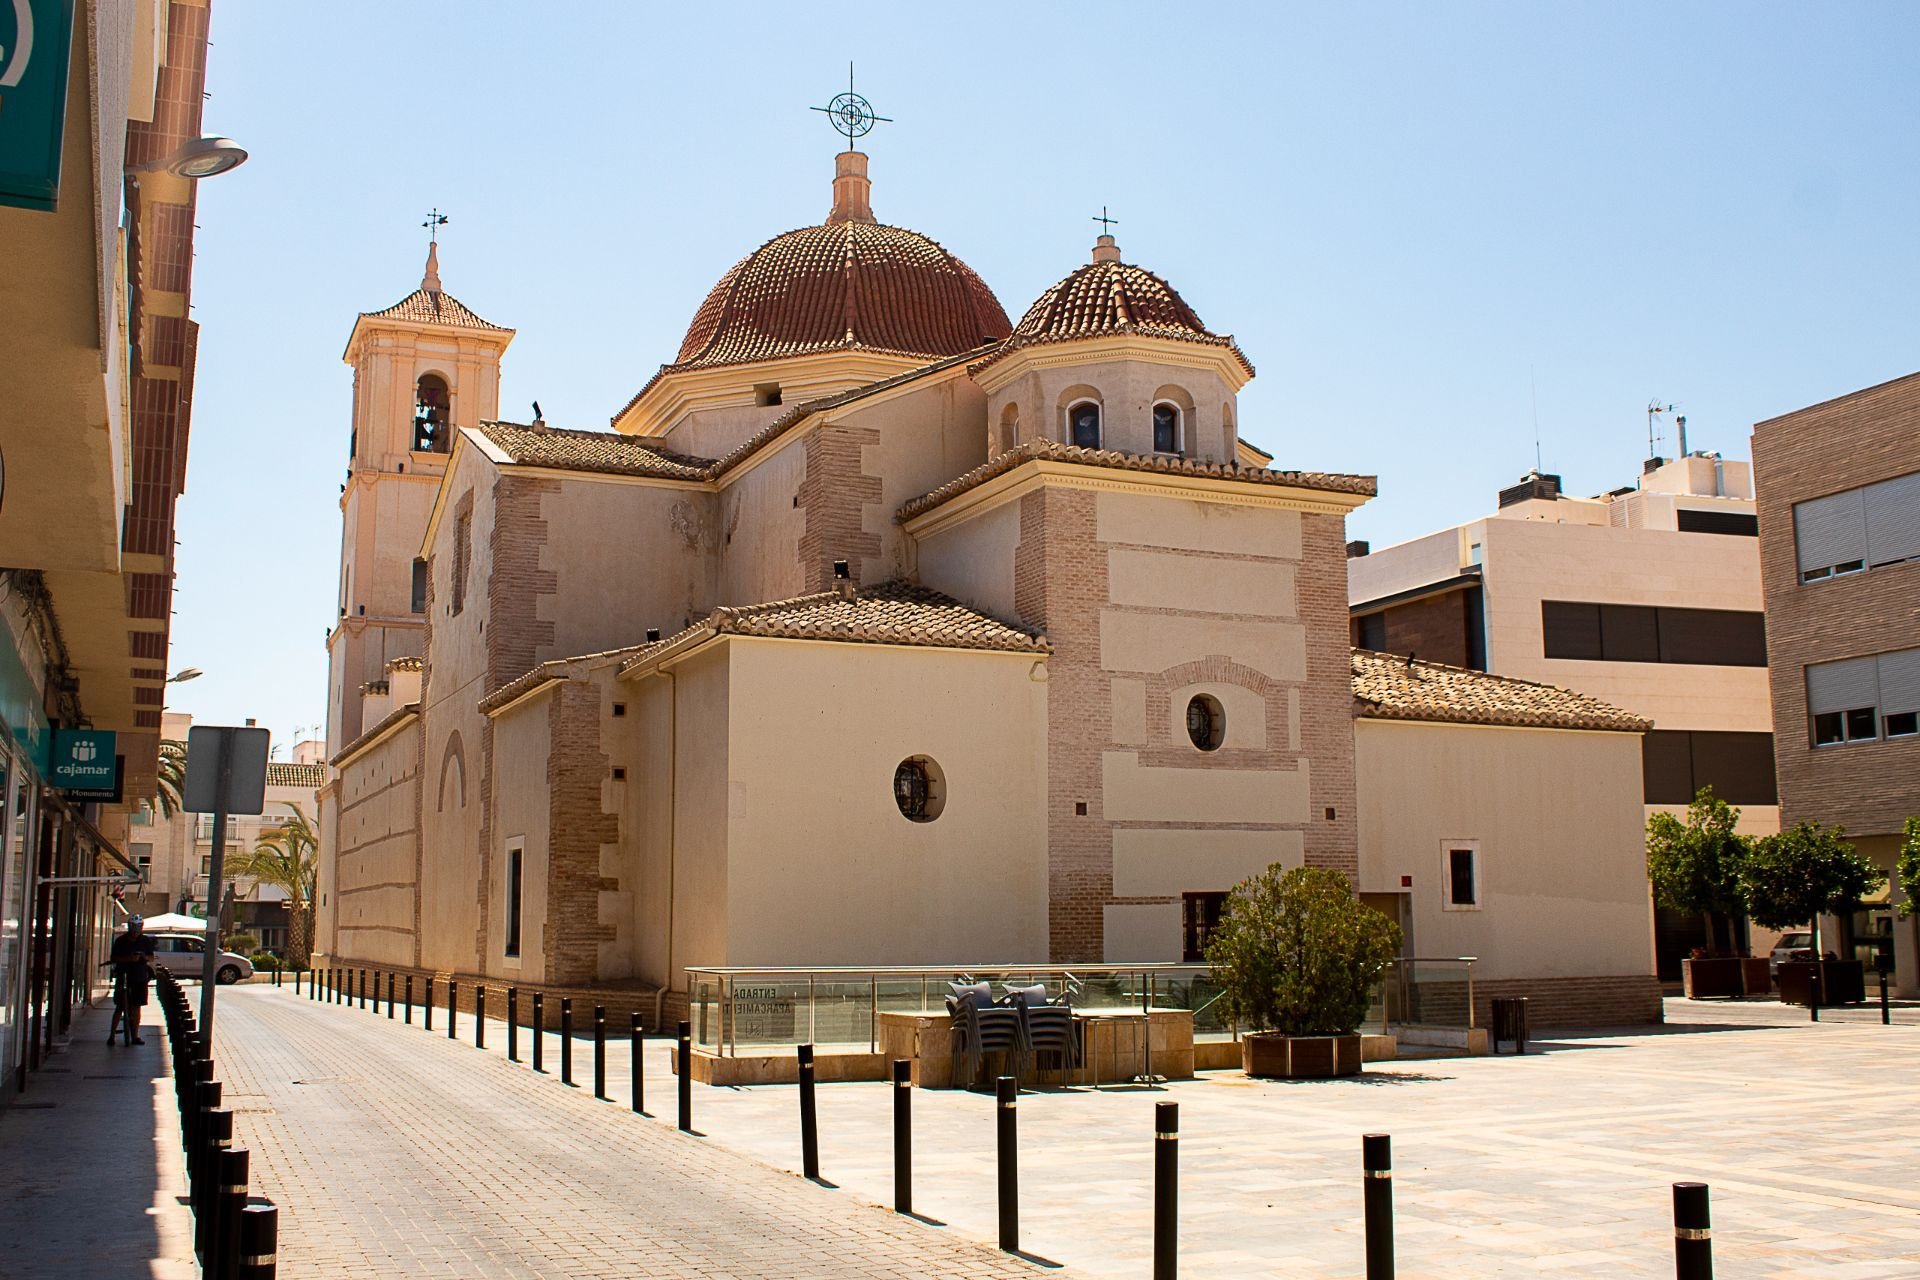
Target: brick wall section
[1627,1001]
[1434,629]
[1843,444]
[518,638]
[834,494]
[1326,703]
[1060,585]
[578,827]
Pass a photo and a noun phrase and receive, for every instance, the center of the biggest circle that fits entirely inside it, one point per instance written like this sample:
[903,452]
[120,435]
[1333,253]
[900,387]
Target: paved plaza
[394,1152]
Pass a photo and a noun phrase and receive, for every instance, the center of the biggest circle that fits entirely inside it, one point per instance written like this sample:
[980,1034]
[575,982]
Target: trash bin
[1510,1022]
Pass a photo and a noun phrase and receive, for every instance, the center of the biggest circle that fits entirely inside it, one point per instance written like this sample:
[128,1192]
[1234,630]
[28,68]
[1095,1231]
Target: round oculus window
[1206,722]
[919,789]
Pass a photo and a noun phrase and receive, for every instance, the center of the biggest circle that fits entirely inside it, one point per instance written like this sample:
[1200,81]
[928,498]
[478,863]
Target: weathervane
[434,222]
[852,114]
[1106,224]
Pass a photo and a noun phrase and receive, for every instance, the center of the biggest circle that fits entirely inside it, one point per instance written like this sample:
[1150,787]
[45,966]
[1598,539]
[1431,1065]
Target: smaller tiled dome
[1109,297]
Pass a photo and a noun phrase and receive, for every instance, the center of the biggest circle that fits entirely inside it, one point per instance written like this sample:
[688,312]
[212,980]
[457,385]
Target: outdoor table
[1091,1020]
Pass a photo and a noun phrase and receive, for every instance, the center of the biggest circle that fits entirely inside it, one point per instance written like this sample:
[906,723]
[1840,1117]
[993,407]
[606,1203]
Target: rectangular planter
[1755,978]
[1841,982]
[1719,979]
[1283,1057]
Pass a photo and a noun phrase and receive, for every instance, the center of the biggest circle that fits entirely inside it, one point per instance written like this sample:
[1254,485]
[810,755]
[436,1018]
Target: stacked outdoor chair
[980,1027]
[1046,1026]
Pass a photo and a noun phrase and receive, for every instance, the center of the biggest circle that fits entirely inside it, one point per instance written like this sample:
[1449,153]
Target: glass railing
[737,1011]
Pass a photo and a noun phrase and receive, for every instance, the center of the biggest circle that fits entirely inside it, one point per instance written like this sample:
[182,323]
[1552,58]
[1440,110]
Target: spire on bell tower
[430,282]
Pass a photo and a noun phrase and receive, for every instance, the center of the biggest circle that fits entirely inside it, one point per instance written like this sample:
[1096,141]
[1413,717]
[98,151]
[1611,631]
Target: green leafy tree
[172,780]
[288,857]
[1695,865]
[1803,873]
[1908,863]
[1296,952]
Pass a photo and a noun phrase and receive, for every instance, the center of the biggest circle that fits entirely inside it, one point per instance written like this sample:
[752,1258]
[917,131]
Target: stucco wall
[973,561]
[521,737]
[1558,821]
[1126,391]
[372,907]
[703,732]
[823,868]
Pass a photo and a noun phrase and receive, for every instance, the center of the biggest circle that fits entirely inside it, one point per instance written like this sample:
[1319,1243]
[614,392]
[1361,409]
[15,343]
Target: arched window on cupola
[1166,427]
[432,432]
[1083,424]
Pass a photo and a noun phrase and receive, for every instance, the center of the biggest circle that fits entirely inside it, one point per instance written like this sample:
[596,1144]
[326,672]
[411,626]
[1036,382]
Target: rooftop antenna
[1654,410]
[1533,389]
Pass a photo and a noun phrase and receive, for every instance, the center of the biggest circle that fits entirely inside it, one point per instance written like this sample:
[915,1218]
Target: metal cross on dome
[1106,224]
[434,222]
[852,114]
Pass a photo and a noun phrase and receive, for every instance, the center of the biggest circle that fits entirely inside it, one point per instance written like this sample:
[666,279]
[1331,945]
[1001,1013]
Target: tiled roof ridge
[434,306]
[552,670]
[546,446]
[1464,696]
[1055,451]
[393,718]
[281,773]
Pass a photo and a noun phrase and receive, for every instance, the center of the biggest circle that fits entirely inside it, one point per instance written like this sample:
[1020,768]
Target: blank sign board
[245,769]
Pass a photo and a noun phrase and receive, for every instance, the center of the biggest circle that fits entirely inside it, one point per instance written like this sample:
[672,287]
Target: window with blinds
[1866,528]
[1864,699]
[1645,633]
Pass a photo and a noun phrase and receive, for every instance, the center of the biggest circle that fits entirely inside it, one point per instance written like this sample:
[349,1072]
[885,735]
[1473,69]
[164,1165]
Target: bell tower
[423,368]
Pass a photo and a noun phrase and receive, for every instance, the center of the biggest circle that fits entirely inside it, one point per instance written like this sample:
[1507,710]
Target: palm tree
[172,780]
[288,857]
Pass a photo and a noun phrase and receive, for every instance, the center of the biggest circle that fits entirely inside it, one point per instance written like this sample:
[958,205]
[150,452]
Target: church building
[881,630]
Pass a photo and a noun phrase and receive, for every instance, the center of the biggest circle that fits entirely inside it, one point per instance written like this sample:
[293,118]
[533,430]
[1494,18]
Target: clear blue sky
[1415,218]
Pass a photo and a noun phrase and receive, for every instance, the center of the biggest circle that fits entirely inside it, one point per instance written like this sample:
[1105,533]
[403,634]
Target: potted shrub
[1694,867]
[1797,876]
[1296,957]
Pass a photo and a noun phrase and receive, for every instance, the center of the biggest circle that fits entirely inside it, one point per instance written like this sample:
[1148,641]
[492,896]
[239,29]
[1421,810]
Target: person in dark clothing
[132,961]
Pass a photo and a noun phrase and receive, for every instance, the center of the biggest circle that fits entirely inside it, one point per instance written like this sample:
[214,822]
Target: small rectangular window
[513,901]
[1572,629]
[1828,729]
[1737,523]
[1629,633]
[419,584]
[1859,724]
[1201,918]
[1463,877]
[1903,725]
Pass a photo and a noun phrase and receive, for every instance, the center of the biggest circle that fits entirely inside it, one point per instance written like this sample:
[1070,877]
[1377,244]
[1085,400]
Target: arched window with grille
[1166,427]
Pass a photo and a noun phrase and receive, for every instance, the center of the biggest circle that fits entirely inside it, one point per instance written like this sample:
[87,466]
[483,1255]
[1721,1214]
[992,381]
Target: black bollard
[428,1003]
[363,990]
[1692,1232]
[1813,992]
[1376,1190]
[1886,1010]
[566,1040]
[1006,1090]
[453,1009]
[296,982]
[513,1024]
[406,992]
[683,1063]
[259,1242]
[376,992]
[599,1053]
[902,1135]
[479,1017]
[634,1073]
[205,1184]
[537,1029]
[1166,1190]
[230,1198]
[276,975]
[389,995]
[809,1119]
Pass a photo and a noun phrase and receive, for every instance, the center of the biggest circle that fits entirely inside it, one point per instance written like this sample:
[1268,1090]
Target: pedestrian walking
[132,961]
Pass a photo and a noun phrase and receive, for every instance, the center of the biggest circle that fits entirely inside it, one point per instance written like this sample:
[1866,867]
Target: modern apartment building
[1646,597]
[1839,487]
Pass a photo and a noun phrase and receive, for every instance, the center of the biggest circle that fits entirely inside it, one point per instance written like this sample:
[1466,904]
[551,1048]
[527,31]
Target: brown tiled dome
[844,286]
[1110,297]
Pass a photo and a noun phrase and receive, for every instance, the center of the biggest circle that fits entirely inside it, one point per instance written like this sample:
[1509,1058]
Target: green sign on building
[84,764]
[34,46]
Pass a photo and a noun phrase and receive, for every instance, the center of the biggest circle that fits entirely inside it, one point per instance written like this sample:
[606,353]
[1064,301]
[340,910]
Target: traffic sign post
[226,774]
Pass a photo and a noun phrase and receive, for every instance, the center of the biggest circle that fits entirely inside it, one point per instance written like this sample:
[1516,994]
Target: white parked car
[182,952]
[1784,949]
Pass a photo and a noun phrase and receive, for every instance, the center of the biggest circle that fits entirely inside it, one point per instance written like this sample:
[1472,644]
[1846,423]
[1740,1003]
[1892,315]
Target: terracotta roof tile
[1107,298]
[609,452]
[847,286]
[308,776]
[890,613]
[426,306]
[1054,451]
[1390,687]
[407,664]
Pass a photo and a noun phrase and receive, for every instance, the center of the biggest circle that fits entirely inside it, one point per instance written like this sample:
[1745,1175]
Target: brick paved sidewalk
[90,1164]
[396,1153]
